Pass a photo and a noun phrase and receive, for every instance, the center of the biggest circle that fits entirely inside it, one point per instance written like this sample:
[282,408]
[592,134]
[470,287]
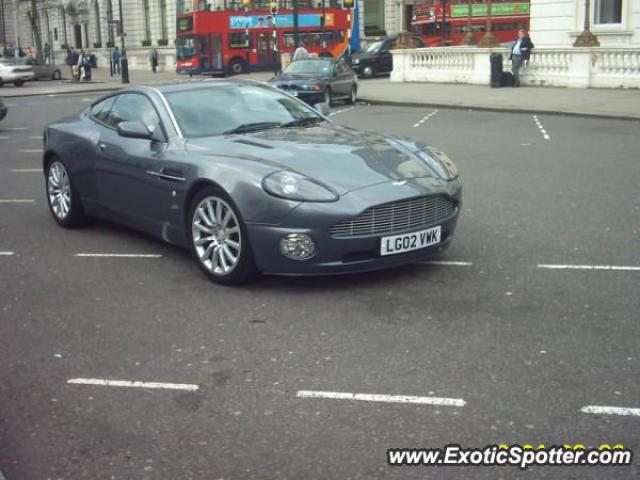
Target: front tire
[62,198]
[354,95]
[327,96]
[219,240]
[368,72]
[56,75]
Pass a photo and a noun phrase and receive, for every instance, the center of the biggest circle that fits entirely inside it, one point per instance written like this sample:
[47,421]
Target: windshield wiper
[303,122]
[252,127]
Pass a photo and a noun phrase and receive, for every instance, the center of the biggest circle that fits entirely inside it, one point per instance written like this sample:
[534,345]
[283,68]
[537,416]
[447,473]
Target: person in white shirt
[301,52]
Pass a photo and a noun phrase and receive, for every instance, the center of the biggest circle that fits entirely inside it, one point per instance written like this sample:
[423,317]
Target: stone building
[94,24]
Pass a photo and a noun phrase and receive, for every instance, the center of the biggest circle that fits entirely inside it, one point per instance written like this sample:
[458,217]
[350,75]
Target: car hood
[298,79]
[341,158]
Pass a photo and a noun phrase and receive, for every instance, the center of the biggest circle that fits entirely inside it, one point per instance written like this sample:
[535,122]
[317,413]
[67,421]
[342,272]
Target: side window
[100,111]
[133,107]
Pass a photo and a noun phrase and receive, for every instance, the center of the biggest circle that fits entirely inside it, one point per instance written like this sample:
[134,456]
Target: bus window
[238,40]
[184,6]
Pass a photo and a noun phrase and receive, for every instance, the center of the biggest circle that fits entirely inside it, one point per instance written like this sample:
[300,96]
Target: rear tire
[237,66]
[218,238]
[62,198]
[19,83]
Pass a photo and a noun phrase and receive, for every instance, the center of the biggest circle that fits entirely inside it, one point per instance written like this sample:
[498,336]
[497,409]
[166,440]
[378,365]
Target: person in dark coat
[519,54]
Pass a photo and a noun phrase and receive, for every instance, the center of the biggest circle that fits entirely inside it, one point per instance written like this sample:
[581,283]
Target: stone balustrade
[559,67]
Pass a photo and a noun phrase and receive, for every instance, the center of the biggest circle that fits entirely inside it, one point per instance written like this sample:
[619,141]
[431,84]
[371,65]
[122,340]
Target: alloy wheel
[59,190]
[216,235]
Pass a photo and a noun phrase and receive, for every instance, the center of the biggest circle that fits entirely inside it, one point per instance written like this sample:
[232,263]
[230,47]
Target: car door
[128,169]
[385,59]
[343,79]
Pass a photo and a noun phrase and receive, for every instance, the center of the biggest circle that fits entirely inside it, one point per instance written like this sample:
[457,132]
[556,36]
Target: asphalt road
[525,347]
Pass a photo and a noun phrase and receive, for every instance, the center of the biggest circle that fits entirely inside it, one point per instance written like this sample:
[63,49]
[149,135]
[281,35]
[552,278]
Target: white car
[13,72]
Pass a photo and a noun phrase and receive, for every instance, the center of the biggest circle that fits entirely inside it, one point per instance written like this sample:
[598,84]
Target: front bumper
[342,255]
[18,77]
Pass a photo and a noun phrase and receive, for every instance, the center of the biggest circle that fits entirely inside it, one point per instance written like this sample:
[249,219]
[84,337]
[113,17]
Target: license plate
[410,241]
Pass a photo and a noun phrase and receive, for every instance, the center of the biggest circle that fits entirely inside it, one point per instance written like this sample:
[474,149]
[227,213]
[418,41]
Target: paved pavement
[525,347]
[613,103]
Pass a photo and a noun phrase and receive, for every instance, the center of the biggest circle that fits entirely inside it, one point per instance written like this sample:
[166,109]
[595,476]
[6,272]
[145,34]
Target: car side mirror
[322,108]
[134,130]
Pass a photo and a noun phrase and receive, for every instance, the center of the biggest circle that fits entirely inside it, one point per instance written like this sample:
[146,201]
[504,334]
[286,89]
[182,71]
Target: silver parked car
[12,71]
[42,70]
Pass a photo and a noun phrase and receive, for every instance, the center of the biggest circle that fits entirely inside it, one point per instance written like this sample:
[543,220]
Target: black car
[317,80]
[3,110]
[376,58]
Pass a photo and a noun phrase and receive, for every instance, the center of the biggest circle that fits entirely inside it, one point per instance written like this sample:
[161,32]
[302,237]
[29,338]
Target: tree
[35,28]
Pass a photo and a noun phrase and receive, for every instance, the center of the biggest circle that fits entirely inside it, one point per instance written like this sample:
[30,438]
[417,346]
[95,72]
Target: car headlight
[440,163]
[355,61]
[293,186]
[314,88]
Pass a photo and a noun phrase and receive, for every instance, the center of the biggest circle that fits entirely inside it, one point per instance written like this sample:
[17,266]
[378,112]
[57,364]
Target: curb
[374,101]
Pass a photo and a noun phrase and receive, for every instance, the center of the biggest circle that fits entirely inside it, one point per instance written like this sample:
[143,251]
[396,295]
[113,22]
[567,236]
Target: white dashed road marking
[424,119]
[18,128]
[119,255]
[542,130]
[590,267]
[131,384]
[446,263]
[635,412]
[366,397]
[16,200]
[4,138]
[26,170]
[6,254]
[32,150]
[341,111]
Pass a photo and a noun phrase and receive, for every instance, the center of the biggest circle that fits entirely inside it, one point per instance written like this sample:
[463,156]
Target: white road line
[442,262]
[341,111]
[6,254]
[635,412]
[132,384]
[4,138]
[35,137]
[16,200]
[545,135]
[424,119]
[366,397]
[32,150]
[119,255]
[18,128]
[627,268]
[26,170]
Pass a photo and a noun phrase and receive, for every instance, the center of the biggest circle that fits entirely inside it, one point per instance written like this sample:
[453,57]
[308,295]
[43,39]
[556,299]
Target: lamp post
[4,33]
[348,4]
[469,38]
[124,62]
[587,38]
[488,40]
[296,33]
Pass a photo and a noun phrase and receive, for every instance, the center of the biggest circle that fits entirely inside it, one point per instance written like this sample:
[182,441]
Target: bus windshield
[185,47]
[309,67]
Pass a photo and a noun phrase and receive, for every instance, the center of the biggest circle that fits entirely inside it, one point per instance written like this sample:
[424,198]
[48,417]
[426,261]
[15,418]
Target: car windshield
[185,47]
[214,110]
[374,47]
[309,67]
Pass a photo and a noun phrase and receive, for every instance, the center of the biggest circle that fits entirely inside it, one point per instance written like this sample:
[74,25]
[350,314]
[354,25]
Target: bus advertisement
[451,28]
[235,41]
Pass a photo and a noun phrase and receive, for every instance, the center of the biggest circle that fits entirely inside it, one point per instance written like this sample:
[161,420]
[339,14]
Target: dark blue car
[317,80]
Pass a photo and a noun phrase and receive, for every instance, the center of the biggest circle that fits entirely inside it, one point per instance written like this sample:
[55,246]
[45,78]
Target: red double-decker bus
[442,25]
[237,41]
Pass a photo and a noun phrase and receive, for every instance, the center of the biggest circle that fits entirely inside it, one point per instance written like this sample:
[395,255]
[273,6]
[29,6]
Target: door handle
[171,175]
[101,147]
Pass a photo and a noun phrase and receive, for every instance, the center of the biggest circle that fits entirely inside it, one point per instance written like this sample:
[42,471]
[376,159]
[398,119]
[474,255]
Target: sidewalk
[610,103]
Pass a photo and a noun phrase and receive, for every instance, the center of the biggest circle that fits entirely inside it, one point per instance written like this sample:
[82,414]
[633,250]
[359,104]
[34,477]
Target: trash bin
[496,70]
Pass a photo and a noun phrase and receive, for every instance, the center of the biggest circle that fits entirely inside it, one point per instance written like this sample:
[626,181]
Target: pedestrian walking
[153,59]
[116,60]
[300,53]
[86,66]
[520,53]
[80,66]
[47,53]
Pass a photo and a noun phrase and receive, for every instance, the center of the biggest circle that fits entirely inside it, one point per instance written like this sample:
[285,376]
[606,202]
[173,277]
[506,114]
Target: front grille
[396,217]
[288,87]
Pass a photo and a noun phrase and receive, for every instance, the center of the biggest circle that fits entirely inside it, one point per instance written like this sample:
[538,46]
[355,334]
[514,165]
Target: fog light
[297,246]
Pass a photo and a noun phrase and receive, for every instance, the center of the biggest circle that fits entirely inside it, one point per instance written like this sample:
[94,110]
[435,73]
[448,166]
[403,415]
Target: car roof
[185,85]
